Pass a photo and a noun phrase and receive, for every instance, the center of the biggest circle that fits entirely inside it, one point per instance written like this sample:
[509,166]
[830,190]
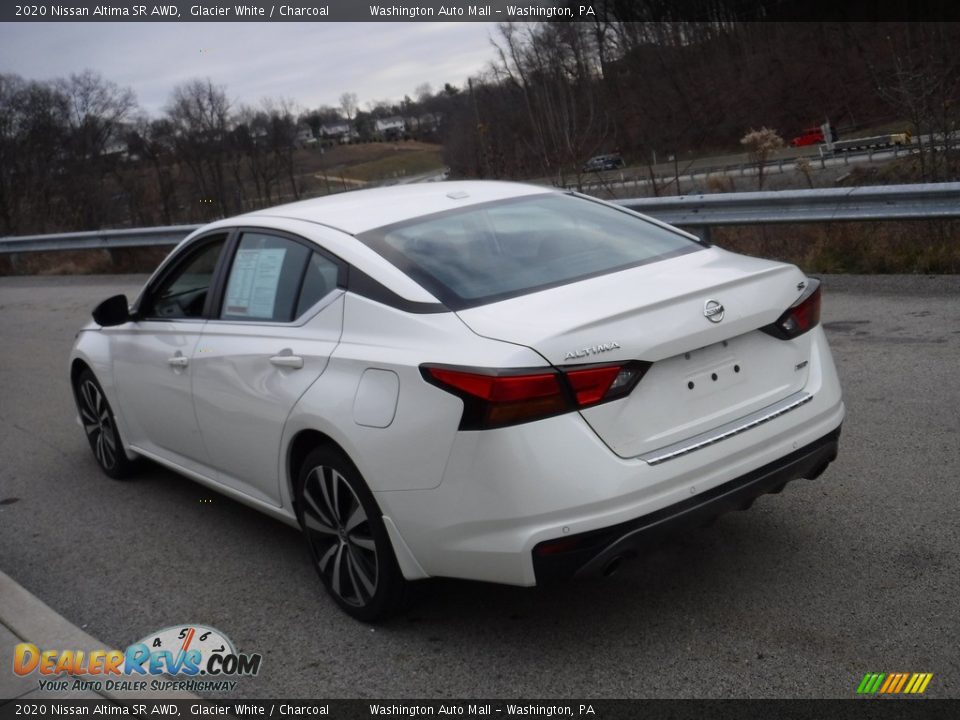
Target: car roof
[361,210]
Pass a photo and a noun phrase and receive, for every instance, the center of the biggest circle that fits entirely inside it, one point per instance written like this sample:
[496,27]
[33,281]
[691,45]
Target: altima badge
[713,311]
[594,350]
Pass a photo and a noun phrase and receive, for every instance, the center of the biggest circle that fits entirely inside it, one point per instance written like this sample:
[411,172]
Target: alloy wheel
[340,535]
[98,424]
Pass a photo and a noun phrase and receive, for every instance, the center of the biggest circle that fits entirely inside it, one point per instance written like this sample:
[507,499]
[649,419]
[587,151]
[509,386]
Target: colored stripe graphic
[894,683]
[899,687]
[892,680]
[914,681]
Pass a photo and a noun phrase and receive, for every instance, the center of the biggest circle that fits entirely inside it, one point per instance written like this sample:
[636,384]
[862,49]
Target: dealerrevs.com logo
[197,657]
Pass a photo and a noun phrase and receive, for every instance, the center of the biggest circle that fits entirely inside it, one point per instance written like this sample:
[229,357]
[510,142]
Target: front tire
[100,426]
[347,538]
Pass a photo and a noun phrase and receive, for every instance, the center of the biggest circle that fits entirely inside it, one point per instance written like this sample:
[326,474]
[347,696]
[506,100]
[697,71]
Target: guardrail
[929,201]
[97,239]
[636,177]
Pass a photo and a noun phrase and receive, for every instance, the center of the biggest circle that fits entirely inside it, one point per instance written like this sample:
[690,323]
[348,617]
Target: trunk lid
[703,373]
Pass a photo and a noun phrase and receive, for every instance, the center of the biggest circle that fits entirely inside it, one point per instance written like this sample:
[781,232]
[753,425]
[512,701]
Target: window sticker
[252,290]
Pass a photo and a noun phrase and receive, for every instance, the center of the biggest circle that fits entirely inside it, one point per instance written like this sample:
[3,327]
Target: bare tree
[423,92]
[97,108]
[283,139]
[348,104]
[153,142]
[97,111]
[916,71]
[251,161]
[200,114]
[760,145]
[553,66]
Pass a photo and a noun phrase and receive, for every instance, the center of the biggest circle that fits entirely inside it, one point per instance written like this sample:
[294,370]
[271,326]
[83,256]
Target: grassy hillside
[357,165]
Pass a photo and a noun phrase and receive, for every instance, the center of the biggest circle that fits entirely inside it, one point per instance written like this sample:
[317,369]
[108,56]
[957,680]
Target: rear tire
[100,426]
[348,541]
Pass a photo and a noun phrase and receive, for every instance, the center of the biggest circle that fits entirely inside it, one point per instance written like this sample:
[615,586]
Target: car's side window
[266,277]
[320,278]
[183,293]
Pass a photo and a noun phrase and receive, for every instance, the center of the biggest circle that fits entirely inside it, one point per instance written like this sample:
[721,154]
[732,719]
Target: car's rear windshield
[497,250]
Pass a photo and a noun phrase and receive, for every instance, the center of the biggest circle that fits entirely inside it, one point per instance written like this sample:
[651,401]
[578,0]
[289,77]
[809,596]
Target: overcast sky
[312,63]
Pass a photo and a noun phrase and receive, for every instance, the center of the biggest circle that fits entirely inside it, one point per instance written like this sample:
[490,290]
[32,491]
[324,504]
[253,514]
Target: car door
[152,356]
[277,322]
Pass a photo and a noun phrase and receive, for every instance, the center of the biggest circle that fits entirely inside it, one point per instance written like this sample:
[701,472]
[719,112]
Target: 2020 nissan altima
[476,380]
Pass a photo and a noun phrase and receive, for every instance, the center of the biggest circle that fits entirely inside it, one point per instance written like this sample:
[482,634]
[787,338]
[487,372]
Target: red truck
[810,136]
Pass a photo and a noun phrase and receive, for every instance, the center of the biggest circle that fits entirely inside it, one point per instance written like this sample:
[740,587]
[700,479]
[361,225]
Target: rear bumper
[592,553]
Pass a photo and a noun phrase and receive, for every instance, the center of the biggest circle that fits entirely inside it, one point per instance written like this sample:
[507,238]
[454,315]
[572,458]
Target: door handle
[288,361]
[178,361]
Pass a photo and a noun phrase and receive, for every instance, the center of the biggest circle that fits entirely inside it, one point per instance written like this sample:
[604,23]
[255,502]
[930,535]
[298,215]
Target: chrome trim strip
[723,432]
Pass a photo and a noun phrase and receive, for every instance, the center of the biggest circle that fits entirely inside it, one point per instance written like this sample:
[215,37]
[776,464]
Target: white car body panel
[471,503]
[495,524]
[156,397]
[656,312]
[356,213]
[383,338]
[653,311]
[242,400]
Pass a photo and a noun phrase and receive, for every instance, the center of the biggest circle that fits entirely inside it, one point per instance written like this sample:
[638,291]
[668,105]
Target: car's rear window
[490,252]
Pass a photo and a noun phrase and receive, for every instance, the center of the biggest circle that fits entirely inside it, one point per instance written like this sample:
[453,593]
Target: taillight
[491,400]
[497,398]
[800,317]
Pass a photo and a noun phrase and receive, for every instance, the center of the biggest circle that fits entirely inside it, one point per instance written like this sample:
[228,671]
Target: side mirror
[112,311]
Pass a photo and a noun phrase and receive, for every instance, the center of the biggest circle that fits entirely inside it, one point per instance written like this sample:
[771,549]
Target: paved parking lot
[856,572]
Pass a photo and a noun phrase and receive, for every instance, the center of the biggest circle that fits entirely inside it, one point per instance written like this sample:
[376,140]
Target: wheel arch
[301,445]
[80,365]
[77,366]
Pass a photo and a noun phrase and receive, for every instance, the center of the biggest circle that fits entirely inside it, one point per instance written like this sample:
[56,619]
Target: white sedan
[477,380]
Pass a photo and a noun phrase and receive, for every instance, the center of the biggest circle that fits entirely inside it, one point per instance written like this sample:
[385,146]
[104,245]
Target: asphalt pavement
[856,572]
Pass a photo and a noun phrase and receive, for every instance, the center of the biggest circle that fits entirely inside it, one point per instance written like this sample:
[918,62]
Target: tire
[348,542]
[100,427]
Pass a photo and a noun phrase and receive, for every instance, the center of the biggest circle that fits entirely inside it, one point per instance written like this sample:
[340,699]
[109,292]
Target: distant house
[305,136]
[428,122]
[422,124]
[390,128]
[340,132]
[116,147]
[116,144]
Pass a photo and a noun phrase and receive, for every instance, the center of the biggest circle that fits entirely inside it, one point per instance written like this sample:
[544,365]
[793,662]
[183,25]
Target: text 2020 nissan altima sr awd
[475,380]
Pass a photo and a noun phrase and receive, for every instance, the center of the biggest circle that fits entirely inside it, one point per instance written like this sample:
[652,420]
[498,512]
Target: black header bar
[482,11]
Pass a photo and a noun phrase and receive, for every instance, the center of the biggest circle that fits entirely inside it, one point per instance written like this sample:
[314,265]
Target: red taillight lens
[492,400]
[499,388]
[497,398]
[553,547]
[800,317]
[589,386]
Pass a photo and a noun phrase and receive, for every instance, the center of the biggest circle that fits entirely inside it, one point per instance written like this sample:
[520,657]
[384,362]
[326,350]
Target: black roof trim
[362,284]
